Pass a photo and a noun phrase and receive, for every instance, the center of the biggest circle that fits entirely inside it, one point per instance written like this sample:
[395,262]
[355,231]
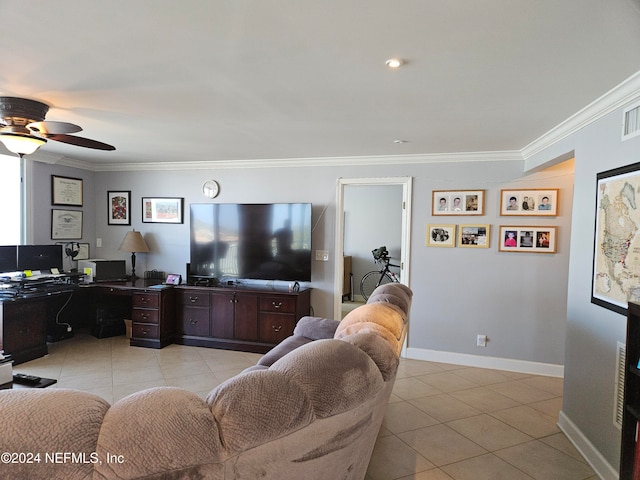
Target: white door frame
[406,183]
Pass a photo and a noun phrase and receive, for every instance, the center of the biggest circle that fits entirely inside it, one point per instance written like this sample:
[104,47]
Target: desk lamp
[133,242]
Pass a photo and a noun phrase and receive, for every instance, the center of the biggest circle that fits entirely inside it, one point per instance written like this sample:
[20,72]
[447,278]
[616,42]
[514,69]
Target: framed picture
[532,202]
[473,236]
[441,235]
[526,238]
[83,252]
[66,191]
[457,202]
[66,224]
[616,265]
[162,210]
[119,207]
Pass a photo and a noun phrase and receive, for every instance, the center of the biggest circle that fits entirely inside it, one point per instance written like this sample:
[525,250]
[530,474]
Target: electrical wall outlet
[481,341]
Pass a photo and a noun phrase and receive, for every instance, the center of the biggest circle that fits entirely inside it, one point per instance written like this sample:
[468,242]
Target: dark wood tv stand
[251,319]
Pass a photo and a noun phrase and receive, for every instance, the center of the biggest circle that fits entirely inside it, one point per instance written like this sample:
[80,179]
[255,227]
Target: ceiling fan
[23,128]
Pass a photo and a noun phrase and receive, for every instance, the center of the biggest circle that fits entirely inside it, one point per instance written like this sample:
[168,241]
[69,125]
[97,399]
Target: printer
[100,270]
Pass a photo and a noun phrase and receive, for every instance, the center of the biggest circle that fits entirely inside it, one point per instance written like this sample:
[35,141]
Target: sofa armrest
[316,328]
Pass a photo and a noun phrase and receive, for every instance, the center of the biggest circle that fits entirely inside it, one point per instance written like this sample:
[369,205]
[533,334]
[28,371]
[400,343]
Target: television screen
[251,241]
[8,258]
[39,257]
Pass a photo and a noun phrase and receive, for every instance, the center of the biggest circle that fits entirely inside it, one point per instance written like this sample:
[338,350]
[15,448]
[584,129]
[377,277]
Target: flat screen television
[251,241]
[39,257]
[8,258]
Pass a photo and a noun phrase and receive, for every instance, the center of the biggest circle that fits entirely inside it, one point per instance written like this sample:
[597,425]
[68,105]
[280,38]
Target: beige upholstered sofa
[310,409]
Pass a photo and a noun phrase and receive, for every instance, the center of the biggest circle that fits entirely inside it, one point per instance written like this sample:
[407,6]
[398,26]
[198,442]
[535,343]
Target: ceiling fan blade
[80,141]
[49,127]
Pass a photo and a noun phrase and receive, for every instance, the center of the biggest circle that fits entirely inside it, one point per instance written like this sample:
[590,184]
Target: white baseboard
[599,464]
[509,364]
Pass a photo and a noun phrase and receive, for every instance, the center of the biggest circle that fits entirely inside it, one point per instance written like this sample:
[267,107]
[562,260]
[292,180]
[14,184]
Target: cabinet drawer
[276,327]
[142,315]
[144,331]
[278,304]
[146,300]
[196,299]
[194,321]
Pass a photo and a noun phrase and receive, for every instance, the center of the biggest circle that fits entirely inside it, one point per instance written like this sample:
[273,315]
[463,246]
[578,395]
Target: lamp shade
[133,242]
[21,144]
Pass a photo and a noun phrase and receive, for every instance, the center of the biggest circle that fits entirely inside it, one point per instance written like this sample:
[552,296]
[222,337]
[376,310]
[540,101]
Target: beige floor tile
[560,442]
[521,392]
[433,474]
[412,368]
[401,417]
[121,391]
[138,375]
[447,381]
[444,407]
[393,459]
[194,383]
[484,399]
[528,420]
[485,467]
[551,407]
[489,432]
[441,444]
[543,462]
[482,376]
[550,384]
[410,388]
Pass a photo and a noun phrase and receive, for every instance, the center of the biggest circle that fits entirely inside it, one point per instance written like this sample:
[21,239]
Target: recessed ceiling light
[400,141]
[394,62]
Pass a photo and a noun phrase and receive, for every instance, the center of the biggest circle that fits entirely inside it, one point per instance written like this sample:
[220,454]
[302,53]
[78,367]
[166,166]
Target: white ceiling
[205,80]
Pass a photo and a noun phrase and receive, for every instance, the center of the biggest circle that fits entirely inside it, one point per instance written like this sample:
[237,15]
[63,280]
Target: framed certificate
[66,224]
[66,191]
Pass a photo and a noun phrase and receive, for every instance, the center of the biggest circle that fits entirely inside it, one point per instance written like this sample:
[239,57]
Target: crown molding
[617,97]
[312,162]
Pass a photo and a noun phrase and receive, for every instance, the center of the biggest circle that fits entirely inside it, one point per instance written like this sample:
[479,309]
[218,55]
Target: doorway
[375,188]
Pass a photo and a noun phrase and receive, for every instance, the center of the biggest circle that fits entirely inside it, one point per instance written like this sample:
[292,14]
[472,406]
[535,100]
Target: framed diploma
[66,191]
[66,224]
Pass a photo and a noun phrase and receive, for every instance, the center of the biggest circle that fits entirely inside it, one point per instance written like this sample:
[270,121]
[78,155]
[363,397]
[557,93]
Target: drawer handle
[145,331]
[193,299]
[233,300]
[144,300]
[192,321]
[276,305]
[145,315]
[276,328]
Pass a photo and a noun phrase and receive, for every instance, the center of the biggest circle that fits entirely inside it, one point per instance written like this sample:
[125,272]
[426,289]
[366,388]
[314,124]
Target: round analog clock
[211,189]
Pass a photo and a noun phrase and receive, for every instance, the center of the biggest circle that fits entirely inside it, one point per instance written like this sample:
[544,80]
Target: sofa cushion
[49,421]
[378,349]
[287,345]
[380,314]
[335,375]
[258,406]
[316,328]
[180,419]
[398,302]
[394,288]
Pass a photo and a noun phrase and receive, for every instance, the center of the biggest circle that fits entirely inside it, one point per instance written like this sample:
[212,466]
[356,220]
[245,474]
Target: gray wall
[518,300]
[592,331]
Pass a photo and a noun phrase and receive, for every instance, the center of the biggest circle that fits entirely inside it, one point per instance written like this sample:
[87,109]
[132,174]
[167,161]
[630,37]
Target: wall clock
[210,189]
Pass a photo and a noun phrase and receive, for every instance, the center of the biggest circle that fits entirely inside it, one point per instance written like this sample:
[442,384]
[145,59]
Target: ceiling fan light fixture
[21,144]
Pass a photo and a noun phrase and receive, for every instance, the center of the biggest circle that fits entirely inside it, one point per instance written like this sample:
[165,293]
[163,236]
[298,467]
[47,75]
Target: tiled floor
[443,422]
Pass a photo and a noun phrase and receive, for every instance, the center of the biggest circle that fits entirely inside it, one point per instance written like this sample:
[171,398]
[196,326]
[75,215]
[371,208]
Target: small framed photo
[173,279]
[457,202]
[66,191]
[83,252]
[526,238]
[162,210]
[119,206]
[439,235]
[533,202]
[66,224]
[473,236]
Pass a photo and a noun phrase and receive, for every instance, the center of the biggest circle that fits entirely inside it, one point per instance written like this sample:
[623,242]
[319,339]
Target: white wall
[373,218]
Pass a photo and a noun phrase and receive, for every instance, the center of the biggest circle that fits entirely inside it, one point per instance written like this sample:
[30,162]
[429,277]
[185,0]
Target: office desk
[149,304]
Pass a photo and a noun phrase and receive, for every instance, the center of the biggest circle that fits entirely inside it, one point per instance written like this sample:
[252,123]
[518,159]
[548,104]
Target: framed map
[616,257]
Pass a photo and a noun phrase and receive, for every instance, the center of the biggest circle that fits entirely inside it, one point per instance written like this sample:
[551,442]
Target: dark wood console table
[251,319]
